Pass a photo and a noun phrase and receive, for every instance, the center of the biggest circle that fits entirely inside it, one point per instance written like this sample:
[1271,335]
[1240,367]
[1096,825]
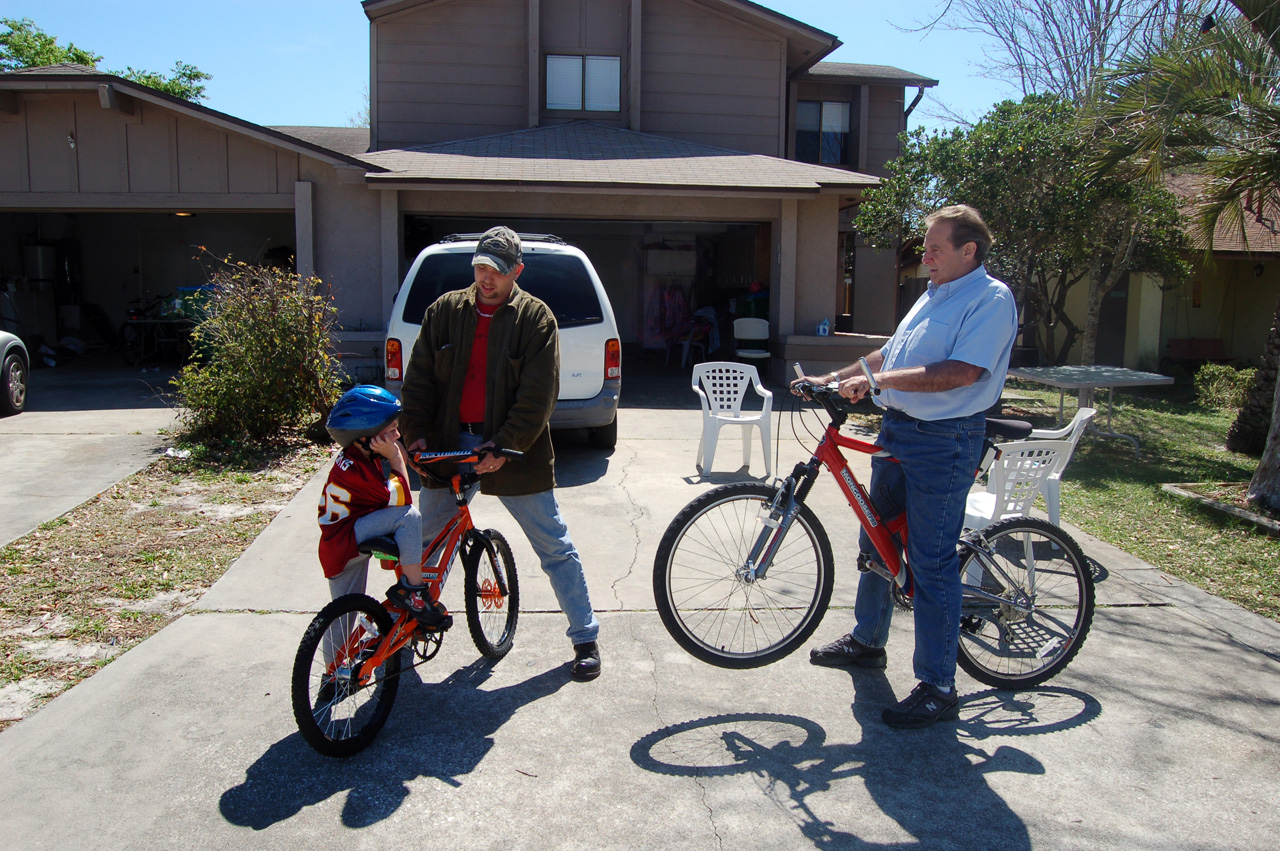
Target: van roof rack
[531,237]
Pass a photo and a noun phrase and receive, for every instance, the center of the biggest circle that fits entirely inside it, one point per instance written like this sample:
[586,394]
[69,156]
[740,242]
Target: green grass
[1109,494]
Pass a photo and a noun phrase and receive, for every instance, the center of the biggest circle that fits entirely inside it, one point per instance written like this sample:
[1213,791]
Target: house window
[591,83]
[822,132]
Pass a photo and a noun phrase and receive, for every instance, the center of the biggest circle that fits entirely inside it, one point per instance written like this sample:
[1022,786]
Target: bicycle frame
[447,543]
[888,537]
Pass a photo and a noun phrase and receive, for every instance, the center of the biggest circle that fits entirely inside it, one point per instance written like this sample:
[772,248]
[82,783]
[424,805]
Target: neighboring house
[697,145]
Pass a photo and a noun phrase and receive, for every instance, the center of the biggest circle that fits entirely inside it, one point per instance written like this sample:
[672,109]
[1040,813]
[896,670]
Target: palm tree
[1209,102]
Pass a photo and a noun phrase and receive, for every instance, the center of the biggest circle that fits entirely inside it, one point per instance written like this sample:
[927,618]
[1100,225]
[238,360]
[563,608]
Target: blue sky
[286,62]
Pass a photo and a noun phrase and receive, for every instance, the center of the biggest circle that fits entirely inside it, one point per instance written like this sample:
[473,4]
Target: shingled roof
[1259,237]
[585,153]
[352,141]
[849,72]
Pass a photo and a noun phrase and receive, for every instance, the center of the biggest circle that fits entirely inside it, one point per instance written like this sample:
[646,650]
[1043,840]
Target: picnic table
[1086,380]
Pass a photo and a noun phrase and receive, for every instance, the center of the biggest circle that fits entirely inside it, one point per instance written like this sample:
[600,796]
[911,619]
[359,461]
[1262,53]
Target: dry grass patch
[85,587]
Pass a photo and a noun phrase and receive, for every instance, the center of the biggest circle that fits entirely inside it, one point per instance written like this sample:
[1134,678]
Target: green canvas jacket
[521,386]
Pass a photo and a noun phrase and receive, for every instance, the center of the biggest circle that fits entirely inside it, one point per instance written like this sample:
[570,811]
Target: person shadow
[931,783]
[439,731]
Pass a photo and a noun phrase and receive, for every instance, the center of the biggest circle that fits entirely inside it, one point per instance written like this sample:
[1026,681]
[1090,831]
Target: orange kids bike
[348,666]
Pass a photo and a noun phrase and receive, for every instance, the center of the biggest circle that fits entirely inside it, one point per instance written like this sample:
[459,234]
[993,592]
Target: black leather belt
[472,428]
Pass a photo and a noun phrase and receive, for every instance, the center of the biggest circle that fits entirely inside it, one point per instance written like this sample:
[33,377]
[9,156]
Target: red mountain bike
[743,574]
[347,670]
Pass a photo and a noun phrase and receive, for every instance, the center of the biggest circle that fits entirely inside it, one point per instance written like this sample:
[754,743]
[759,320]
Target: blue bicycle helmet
[363,411]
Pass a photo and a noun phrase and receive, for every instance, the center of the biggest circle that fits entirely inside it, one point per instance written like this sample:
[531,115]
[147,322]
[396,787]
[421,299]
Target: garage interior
[71,277]
[663,278]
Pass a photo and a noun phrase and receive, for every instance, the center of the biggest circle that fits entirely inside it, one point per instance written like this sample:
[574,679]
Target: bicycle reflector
[395,365]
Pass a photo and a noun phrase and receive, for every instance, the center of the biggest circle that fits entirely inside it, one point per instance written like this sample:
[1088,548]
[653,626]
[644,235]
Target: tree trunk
[1248,434]
[1099,286]
[1264,489]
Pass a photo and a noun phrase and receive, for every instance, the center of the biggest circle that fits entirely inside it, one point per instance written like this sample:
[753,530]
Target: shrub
[264,365]
[1221,386]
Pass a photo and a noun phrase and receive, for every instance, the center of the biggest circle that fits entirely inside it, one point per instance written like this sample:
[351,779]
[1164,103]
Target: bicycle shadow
[931,783]
[439,731]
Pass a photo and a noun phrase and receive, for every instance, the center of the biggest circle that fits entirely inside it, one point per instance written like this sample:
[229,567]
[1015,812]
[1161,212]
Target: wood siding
[710,79]
[152,152]
[884,123]
[451,71]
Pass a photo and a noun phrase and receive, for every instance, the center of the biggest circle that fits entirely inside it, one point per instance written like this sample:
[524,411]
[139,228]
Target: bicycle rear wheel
[492,594]
[335,714]
[706,602]
[131,339]
[1029,560]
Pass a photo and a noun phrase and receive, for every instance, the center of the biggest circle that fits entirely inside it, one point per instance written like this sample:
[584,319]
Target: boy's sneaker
[432,616]
[847,650]
[924,706]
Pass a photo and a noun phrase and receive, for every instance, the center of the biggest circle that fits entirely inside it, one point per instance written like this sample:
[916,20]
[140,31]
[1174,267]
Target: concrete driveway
[87,425]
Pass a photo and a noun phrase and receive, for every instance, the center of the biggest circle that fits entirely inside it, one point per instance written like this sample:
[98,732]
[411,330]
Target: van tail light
[395,366]
[613,359]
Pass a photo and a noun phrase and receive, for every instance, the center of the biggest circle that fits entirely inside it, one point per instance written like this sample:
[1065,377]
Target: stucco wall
[1235,304]
[817,262]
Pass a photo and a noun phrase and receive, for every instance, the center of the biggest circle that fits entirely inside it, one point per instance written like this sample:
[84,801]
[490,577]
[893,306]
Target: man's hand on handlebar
[414,448]
[489,462]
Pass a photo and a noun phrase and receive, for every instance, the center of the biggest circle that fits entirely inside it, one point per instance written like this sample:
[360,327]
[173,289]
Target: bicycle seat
[380,546]
[1008,429]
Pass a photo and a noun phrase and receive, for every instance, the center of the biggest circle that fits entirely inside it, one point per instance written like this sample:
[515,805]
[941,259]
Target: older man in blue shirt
[944,366]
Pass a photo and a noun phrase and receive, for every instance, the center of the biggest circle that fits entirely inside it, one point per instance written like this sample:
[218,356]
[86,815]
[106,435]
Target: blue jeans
[934,471]
[539,517]
[403,522]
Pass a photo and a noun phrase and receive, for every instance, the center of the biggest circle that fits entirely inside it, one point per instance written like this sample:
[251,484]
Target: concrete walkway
[1163,733]
[87,425]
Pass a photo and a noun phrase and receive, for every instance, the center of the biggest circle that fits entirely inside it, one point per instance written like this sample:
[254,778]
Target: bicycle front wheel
[1026,562]
[492,594]
[707,601]
[335,713]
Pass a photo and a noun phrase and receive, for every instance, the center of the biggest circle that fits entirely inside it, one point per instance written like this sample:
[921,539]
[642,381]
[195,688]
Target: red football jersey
[355,488]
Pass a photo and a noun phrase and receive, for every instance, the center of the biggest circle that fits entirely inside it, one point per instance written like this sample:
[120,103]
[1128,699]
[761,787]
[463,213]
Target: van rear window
[561,280]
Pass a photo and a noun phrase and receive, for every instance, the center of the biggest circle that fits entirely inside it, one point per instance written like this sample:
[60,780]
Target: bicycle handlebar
[463,456]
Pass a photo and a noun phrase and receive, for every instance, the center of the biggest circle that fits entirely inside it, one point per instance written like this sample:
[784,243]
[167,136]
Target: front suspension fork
[775,520]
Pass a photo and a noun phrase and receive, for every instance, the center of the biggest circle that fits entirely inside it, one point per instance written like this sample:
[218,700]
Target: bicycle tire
[714,614]
[492,594]
[1009,650]
[346,720]
[132,343]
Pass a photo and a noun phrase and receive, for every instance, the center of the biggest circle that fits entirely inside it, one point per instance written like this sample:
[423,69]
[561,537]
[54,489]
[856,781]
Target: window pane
[564,82]
[808,124]
[835,134]
[604,83]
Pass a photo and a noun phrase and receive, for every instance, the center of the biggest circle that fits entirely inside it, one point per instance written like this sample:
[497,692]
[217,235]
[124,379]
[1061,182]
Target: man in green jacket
[485,371]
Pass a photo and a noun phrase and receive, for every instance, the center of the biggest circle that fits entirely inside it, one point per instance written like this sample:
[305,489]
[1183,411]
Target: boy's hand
[385,445]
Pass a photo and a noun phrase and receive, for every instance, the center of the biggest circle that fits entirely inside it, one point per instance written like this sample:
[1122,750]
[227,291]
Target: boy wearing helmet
[360,502]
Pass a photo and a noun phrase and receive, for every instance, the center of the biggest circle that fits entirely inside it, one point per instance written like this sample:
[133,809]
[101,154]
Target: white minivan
[560,275]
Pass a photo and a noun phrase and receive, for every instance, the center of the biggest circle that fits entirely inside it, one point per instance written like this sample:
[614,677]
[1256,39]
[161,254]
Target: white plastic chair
[725,386]
[1014,480]
[1071,434]
[750,330]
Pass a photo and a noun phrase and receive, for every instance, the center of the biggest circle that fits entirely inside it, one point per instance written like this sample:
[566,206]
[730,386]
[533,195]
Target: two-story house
[691,144]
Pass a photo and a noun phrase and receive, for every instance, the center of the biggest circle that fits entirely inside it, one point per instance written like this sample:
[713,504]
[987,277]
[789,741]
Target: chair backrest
[1016,478]
[749,328]
[1070,433]
[724,383]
